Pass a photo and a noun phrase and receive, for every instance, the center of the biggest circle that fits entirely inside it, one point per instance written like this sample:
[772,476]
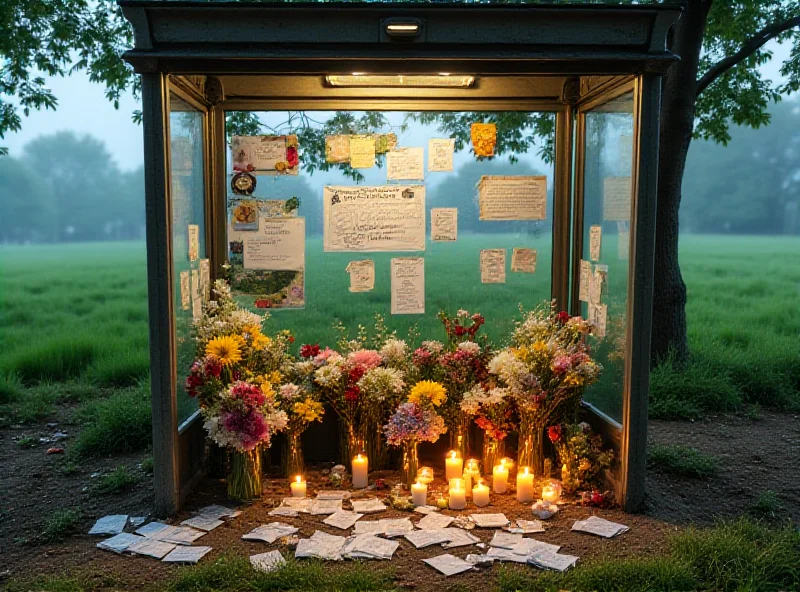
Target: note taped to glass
[523,260]
[484,139]
[405,164]
[278,246]
[362,275]
[444,224]
[440,154]
[493,266]
[585,280]
[512,197]
[595,240]
[362,152]
[408,285]
[617,198]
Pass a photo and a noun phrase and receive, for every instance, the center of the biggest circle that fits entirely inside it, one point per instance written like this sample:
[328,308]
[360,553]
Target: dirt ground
[756,455]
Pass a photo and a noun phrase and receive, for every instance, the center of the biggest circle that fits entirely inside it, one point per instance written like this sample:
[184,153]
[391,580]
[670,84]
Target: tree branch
[753,44]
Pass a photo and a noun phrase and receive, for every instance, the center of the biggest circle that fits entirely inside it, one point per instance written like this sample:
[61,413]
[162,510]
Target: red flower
[292,159]
[213,368]
[309,351]
[460,330]
[478,319]
[356,374]
[291,338]
[554,433]
[563,317]
[263,303]
[351,393]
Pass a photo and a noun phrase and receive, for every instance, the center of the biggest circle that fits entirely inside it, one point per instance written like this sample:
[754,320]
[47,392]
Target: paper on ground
[267,562]
[368,546]
[369,505]
[505,540]
[333,494]
[342,519]
[283,511]
[600,527]
[217,511]
[425,538]
[448,564]
[320,507]
[386,526]
[458,537]
[186,554]
[489,520]
[528,546]
[527,527]
[113,524]
[180,535]
[269,533]
[153,529]
[120,542]
[549,560]
[434,521]
[201,522]
[322,546]
[426,509]
[151,548]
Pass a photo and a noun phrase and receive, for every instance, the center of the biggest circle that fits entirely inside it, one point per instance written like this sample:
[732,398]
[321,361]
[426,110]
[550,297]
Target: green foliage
[120,423]
[10,388]
[48,584]
[60,524]
[682,461]
[27,442]
[147,465]
[767,505]
[686,392]
[117,481]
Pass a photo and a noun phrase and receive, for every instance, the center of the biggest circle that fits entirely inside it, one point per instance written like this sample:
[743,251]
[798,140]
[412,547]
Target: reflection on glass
[452,269]
[187,188]
[606,218]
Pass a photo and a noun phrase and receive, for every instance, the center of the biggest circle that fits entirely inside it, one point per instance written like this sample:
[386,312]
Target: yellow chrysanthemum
[260,341]
[427,391]
[225,350]
[266,388]
[308,410]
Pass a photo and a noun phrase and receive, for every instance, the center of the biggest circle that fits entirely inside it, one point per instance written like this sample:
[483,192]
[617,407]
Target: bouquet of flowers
[493,412]
[300,401]
[581,454]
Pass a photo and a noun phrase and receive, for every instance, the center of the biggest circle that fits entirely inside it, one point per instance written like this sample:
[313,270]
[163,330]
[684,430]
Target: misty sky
[84,109]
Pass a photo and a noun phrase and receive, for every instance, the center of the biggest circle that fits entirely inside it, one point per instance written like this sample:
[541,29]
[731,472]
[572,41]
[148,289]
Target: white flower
[394,350]
[470,347]
[472,399]
[434,347]
[290,391]
[462,313]
[305,368]
[328,376]
[500,361]
[382,383]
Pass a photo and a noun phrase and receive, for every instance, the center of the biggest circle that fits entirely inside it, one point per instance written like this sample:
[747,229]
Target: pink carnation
[365,358]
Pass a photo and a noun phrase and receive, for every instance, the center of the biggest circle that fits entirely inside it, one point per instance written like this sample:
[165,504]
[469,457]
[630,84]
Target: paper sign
[523,260]
[598,314]
[623,241]
[440,154]
[405,164]
[585,279]
[186,297]
[205,279]
[265,154]
[197,301]
[371,219]
[595,239]
[408,285]
[444,224]
[493,266]
[597,282]
[617,198]
[337,148]
[194,242]
[362,152]
[362,275]
[513,198]
[278,246]
[484,138]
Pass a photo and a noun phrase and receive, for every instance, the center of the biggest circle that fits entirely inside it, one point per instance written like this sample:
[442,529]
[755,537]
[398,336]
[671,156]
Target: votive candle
[419,494]
[550,494]
[454,466]
[425,475]
[500,477]
[360,471]
[480,494]
[441,503]
[458,495]
[298,487]
[524,485]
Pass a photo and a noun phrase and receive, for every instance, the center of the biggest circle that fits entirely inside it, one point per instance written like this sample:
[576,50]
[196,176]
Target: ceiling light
[361,79]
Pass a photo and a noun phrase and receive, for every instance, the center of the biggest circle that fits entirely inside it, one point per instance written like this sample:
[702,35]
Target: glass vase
[459,434]
[530,451]
[244,475]
[410,463]
[292,459]
[376,448]
[352,443]
[493,450]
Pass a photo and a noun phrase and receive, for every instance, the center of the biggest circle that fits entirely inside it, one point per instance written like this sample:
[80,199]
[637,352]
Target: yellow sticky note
[362,152]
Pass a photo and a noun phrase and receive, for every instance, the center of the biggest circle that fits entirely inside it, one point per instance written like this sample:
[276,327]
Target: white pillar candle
[419,494]
[500,478]
[550,494]
[525,485]
[298,487]
[480,494]
[360,470]
[458,495]
[454,466]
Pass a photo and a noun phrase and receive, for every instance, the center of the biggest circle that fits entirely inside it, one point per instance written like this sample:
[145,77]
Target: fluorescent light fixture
[403,29]
[362,79]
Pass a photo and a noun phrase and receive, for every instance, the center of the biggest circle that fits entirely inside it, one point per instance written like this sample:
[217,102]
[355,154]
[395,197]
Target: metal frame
[293,45]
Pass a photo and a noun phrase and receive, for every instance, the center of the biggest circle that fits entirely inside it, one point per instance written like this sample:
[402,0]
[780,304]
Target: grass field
[77,314]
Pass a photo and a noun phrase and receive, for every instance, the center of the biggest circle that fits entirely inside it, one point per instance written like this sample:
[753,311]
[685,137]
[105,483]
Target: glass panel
[187,186]
[607,205]
[451,269]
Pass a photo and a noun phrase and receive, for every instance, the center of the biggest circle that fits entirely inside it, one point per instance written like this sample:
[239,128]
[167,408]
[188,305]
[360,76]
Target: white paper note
[513,198]
[186,554]
[444,224]
[448,564]
[203,523]
[425,538]
[362,152]
[527,527]
[300,504]
[362,275]
[434,521]
[267,562]
[113,524]
[595,240]
[151,548]
[280,244]
[623,241]
[269,533]
[333,494]
[180,535]
[320,507]
[458,537]
[194,242]
[197,301]
[217,511]
[585,280]
[405,164]
[598,316]
[186,295]
[493,266]
[205,279]
[385,526]
[337,148]
[262,152]
[440,154]
[368,506]
[617,198]
[489,520]
[374,219]
[600,527]
[120,542]
[523,260]
[505,540]
[528,546]
[342,519]
[408,285]
[368,546]
[549,560]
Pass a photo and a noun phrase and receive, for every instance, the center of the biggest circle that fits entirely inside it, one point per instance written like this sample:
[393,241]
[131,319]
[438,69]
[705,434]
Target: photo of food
[245,216]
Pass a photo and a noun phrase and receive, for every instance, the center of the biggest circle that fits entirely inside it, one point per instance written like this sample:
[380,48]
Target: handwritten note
[258,153]
[595,240]
[362,152]
[623,241]
[597,281]
[370,219]
[523,260]
[598,317]
[337,148]
[440,154]
[513,198]
[205,279]
[585,280]
[186,297]
[405,164]
[408,285]
[444,224]
[362,275]
[279,245]
[617,198]
[493,266]
[197,302]
[194,242]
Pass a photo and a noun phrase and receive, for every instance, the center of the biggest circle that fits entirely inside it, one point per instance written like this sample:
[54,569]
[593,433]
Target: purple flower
[249,426]
[412,422]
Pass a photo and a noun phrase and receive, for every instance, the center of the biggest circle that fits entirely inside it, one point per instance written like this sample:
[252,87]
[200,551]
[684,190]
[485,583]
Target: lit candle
[480,494]
[550,494]
[458,495]
[298,487]
[360,470]
[525,486]
[473,466]
[425,475]
[419,494]
[500,477]
[454,466]
[564,473]
[507,462]
[441,503]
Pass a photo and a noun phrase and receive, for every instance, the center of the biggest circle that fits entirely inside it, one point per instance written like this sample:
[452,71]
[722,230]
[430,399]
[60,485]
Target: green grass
[60,524]
[27,442]
[767,505]
[117,481]
[682,461]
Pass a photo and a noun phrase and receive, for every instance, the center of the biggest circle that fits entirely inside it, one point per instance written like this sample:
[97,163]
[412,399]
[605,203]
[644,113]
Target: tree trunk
[677,124]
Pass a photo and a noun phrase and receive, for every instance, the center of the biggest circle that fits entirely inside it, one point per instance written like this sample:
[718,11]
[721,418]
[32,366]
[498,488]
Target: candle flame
[359,457]
[298,479]
[502,462]
[564,467]
[526,470]
[452,454]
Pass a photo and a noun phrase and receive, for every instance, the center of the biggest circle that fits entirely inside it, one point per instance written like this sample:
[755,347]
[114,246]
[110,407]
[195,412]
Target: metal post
[562,196]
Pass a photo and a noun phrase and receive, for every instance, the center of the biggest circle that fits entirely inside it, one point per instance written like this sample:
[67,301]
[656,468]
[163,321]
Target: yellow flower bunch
[536,353]
[252,334]
[227,350]
[428,391]
[308,410]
